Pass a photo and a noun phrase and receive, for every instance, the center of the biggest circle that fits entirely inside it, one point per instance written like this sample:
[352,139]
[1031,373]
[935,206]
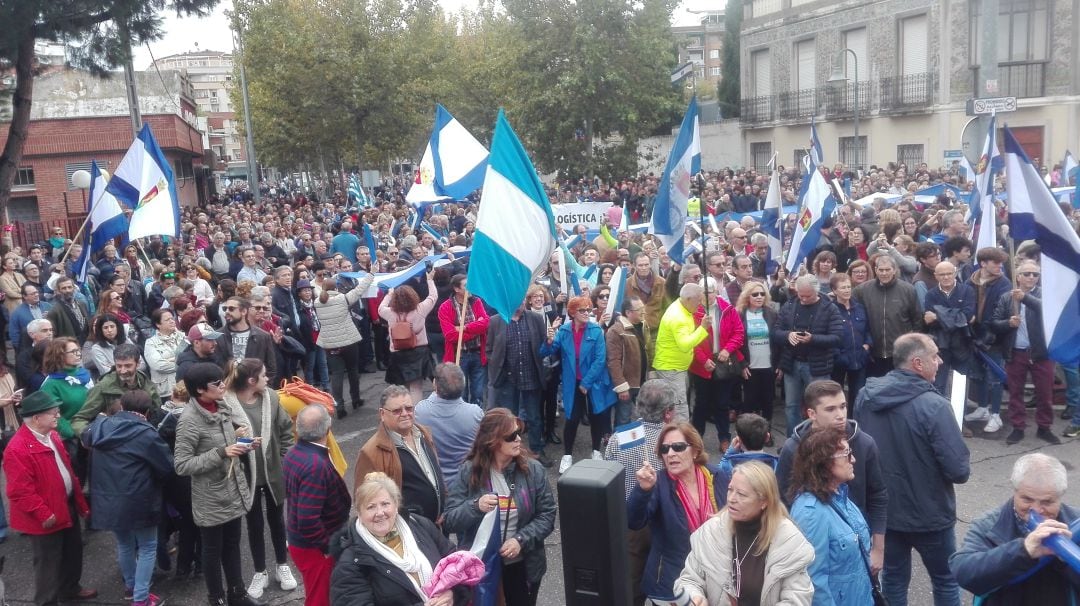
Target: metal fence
[1023,79]
[25,233]
[902,93]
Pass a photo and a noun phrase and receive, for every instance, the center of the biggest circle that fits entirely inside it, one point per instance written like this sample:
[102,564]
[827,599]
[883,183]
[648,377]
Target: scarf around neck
[411,562]
[706,499]
[75,376]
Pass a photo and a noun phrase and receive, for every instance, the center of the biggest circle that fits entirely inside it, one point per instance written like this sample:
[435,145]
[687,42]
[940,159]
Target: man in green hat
[46,502]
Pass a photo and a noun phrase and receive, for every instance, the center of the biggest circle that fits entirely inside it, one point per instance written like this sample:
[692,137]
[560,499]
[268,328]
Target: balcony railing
[757,109]
[1019,79]
[903,93]
[797,104]
[840,99]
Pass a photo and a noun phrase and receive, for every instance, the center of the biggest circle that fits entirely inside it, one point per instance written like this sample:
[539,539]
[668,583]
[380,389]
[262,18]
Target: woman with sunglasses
[672,502]
[586,384]
[831,522]
[751,552]
[760,375]
[600,296]
[498,473]
[207,449]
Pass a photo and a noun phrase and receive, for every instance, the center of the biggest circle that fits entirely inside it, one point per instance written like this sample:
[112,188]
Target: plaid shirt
[521,366]
[632,457]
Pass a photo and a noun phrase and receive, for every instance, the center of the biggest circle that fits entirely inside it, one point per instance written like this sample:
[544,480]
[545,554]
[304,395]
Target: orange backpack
[294,395]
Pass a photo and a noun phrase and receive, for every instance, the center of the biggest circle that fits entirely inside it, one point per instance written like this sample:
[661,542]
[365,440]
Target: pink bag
[457,568]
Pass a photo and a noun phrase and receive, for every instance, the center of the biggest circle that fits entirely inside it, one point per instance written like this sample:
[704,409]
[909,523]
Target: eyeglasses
[676,446]
[513,437]
[603,296]
[260,308]
[220,383]
[73,352]
[230,308]
[168,276]
[1030,274]
[757,294]
[846,454]
[400,412]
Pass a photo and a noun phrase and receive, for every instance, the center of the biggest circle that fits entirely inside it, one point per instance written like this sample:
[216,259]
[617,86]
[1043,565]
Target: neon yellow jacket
[677,338]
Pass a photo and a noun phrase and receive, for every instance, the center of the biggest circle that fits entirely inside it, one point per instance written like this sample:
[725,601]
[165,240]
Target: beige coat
[708,567]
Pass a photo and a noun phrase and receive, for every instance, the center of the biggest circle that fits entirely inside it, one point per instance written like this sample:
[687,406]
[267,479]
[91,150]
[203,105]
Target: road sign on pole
[988,105]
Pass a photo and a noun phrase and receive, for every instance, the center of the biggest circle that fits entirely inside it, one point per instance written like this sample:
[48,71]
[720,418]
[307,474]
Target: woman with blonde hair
[751,552]
[760,373]
[386,556]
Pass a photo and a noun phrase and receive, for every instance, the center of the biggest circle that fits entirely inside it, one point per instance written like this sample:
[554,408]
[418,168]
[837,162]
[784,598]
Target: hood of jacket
[898,387]
[116,431]
[803,429]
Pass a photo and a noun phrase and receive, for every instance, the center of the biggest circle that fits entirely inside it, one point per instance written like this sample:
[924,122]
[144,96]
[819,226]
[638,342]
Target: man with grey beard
[69,317]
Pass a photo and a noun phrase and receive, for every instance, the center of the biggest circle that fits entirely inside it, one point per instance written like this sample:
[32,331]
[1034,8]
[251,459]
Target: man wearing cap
[125,376]
[46,501]
[204,348]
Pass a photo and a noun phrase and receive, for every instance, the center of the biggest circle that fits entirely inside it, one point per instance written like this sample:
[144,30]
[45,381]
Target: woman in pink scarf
[673,502]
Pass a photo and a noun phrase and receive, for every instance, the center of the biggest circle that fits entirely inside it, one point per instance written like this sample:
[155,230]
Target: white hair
[1039,470]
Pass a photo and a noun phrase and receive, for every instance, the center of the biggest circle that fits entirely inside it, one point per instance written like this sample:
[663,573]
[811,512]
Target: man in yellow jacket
[675,342]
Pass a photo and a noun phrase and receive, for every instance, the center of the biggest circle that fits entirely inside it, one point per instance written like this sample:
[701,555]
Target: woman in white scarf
[385,558]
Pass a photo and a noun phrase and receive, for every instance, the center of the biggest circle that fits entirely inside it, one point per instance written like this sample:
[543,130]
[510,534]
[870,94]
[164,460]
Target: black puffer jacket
[362,577]
[826,329]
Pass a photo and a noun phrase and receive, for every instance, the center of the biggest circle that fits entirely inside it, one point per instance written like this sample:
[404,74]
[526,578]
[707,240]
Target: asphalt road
[991,463]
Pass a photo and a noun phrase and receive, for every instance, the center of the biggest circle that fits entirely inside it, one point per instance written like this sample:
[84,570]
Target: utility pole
[253,165]
[129,84]
[988,85]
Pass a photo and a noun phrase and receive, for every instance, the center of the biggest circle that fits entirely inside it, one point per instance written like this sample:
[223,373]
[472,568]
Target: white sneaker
[981,413]
[597,455]
[285,577]
[259,583]
[993,424]
[564,463]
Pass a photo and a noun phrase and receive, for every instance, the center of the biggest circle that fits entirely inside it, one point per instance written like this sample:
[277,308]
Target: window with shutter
[762,73]
[913,44]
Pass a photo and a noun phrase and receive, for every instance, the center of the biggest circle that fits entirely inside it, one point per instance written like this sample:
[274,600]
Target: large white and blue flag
[453,165]
[772,222]
[106,222]
[668,221]
[981,214]
[144,182]
[1034,214]
[515,229]
[812,214]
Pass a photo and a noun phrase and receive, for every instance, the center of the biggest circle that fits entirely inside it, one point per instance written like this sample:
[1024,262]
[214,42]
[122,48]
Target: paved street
[991,462]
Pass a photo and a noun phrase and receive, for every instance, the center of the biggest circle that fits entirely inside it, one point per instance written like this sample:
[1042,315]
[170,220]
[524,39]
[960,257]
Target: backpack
[402,335]
[294,395]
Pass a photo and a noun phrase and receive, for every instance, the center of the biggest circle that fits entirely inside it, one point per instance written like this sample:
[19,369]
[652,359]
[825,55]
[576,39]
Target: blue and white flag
[106,222]
[453,165]
[515,230]
[144,182]
[669,210]
[486,545]
[1071,170]
[369,241]
[356,192]
[630,435]
[772,223]
[811,216]
[817,157]
[1034,214]
[618,290]
[981,214]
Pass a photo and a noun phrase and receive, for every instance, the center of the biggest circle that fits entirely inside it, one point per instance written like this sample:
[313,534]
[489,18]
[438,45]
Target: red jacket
[448,320]
[732,335]
[35,486]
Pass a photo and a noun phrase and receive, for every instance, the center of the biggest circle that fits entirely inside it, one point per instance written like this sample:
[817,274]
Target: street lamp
[80,180]
[839,76]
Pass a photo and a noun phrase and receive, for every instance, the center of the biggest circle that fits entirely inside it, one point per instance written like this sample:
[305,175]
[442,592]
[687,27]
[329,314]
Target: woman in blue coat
[586,385]
[672,502]
[853,353]
[830,521]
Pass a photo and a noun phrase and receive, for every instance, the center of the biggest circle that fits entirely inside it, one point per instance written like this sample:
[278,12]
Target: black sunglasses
[676,446]
[513,437]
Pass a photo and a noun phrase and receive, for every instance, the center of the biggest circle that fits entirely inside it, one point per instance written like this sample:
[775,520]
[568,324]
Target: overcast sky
[212,33]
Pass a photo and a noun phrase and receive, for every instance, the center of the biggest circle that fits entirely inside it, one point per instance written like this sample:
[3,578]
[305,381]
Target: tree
[103,31]
[728,90]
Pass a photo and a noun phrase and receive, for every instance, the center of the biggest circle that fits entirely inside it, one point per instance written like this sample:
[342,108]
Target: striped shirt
[318,499]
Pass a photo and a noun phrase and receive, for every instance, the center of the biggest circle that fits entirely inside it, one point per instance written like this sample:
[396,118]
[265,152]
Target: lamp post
[80,180]
[839,76]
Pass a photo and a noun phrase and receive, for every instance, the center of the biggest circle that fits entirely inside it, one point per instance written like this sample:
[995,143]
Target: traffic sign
[989,105]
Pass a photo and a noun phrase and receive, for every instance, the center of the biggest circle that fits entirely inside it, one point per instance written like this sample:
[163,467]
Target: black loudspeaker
[592,518]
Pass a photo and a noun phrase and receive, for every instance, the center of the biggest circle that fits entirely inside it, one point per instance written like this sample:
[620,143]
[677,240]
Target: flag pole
[75,239]
[461,329]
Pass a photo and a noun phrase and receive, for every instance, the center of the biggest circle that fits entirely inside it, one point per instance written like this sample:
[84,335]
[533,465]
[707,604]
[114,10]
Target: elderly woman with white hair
[386,557]
[1001,562]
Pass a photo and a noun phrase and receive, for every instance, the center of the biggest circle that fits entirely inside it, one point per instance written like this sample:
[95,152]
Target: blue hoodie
[732,458]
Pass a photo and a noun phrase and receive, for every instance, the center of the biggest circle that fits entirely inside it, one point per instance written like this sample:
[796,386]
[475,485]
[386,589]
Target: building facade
[211,77]
[702,44]
[78,118]
[913,66]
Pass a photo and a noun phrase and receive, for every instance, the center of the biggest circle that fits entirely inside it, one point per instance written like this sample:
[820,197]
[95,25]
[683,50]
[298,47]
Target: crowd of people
[152,387]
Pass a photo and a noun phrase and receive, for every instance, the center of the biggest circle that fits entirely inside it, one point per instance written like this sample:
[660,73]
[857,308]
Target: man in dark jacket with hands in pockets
[922,456]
